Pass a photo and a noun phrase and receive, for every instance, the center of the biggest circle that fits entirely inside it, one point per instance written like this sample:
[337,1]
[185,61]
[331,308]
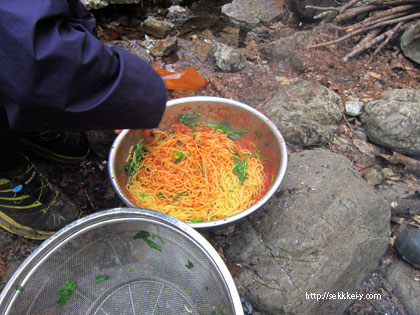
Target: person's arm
[56,74]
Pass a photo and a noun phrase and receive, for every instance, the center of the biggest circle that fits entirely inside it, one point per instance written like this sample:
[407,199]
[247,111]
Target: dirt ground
[87,183]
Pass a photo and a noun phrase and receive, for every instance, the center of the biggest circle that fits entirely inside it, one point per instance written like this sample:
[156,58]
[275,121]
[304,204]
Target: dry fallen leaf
[374,75]
[364,147]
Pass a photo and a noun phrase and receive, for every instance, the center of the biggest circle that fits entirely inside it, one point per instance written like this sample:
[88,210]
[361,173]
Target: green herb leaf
[19,288]
[189,120]
[144,195]
[203,169]
[131,269]
[65,291]
[102,278]
[153,245]
[187,309]
[240,169]
[176,197]
[257,155]
[134,160]
[257,133]
[232,134]
[219,309]
[161,195]
[178,156]
[196,220]
[158,237]
[171,133]
[189,264]
[141,235]
[144,235]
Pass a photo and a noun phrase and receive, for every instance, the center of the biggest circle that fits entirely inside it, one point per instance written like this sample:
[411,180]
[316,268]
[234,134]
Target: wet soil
[87,183]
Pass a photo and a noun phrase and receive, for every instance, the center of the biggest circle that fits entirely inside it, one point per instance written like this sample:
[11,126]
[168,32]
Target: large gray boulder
[407,288]
[322,232]
[410,43]
[306,113]
[393,120]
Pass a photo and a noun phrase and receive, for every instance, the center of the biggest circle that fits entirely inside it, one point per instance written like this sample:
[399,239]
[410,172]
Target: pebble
[354,108]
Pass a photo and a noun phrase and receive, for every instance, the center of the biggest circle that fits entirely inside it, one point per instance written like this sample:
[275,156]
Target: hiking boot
[30,206]
[65,147]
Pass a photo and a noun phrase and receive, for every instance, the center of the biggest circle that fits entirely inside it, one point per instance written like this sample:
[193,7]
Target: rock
[407,244]
[164,47]
[354,108]
[359,133]
[299,7]
[156,28]
[324,230]
[410,43]
[393,120]
[178,15]
[98,4]
[407,289]
[306,113]
[249,13]
[286,48]
[135,47]
[402,197]
[373,177]
[225,58]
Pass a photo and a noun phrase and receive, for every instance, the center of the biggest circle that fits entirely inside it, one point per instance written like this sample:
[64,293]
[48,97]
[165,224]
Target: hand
[148,135]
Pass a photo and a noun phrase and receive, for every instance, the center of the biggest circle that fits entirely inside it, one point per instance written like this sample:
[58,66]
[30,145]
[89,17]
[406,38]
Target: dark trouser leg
[9,144]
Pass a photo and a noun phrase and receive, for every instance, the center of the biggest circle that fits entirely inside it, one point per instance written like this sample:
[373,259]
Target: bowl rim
[213,99]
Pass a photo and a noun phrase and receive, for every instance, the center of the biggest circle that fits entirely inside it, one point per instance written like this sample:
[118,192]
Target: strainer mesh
[179,279]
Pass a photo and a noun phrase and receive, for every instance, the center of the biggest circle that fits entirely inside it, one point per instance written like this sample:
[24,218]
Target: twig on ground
[383,16]
[386,41]
[364,44]
[385,20]
[337,9]
[353,12]
[365,29]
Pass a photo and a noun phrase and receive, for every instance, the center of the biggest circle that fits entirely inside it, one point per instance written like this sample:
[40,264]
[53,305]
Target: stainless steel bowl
[123,261]
[215,110]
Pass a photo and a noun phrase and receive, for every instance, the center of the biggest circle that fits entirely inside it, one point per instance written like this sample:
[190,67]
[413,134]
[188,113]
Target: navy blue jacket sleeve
[56,74]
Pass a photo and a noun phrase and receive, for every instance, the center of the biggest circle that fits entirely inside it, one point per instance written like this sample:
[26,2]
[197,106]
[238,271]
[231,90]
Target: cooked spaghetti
[196,173]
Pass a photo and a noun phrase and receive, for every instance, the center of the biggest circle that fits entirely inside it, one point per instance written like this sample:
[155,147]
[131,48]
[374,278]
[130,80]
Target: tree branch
[365,29]
[369,43]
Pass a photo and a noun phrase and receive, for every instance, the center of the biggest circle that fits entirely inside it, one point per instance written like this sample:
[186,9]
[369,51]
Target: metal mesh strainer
[125,262]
